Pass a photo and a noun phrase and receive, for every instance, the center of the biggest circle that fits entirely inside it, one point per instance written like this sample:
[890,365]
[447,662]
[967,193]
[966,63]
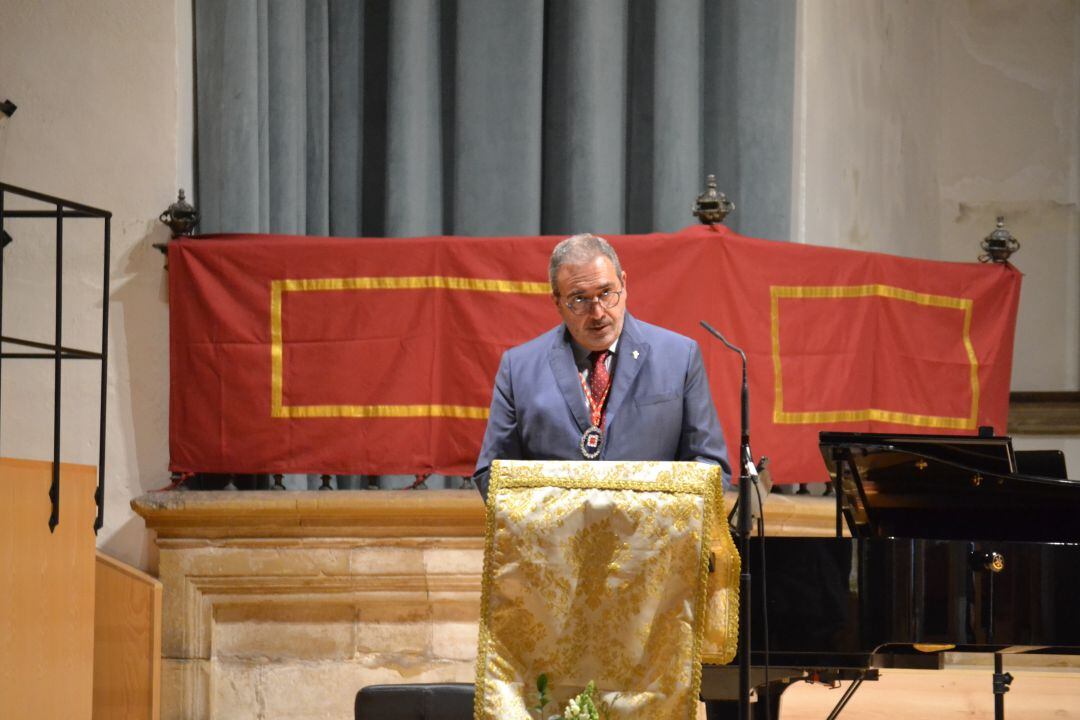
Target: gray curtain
[491,117]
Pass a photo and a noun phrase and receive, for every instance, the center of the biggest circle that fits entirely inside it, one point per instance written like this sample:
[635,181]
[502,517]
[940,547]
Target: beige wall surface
[1009,87]
[918,122]
[866,140]
[98,122]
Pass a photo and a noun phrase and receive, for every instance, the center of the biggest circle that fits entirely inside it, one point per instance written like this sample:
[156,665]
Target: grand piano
[956,543]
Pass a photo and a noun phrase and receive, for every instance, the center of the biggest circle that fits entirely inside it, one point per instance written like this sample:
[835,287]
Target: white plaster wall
[918,122]
[103,90]
[1010,80]
[866,137]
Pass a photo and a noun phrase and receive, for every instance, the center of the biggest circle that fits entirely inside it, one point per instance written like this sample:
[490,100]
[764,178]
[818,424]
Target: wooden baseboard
[1044,413]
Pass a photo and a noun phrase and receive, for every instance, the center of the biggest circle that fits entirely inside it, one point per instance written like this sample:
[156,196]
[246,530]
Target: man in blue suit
[602,384]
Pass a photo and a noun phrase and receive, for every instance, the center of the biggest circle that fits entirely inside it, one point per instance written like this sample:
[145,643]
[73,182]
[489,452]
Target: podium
[619,573]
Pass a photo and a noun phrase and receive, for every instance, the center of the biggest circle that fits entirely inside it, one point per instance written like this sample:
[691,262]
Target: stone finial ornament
[711,207]
[181,216]
[999,245]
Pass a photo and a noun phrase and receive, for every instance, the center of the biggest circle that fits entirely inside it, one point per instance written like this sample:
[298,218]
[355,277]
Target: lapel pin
[635,354]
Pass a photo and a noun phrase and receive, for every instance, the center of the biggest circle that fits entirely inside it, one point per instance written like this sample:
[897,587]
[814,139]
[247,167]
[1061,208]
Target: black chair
[422,701]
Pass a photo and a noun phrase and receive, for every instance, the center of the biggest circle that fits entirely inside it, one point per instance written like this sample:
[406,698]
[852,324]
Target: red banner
[377,355]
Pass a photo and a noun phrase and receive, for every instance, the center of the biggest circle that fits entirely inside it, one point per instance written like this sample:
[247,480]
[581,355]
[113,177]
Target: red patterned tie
[599,378]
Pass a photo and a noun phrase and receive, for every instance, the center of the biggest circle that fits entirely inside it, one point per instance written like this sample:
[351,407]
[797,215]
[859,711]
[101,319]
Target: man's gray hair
[578,249]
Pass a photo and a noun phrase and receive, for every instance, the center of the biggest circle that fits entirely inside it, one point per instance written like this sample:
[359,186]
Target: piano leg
[768,697]
[1002,681]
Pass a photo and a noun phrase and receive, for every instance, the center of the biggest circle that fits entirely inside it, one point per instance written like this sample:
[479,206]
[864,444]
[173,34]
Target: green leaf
[542,683]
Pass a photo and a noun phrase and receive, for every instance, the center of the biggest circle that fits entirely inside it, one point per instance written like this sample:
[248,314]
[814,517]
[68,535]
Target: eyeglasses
[582,305]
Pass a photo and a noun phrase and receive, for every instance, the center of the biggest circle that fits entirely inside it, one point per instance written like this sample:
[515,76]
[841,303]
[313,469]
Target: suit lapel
[561,358]
[632,354]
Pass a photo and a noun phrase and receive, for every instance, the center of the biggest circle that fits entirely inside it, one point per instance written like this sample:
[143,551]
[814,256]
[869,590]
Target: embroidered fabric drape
[600,571]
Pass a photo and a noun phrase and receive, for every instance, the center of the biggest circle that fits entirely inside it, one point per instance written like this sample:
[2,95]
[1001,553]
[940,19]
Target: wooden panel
[127,642]
[1044,413]
[46,592]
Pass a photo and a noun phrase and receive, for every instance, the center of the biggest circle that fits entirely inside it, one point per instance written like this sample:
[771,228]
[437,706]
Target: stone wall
[284,604]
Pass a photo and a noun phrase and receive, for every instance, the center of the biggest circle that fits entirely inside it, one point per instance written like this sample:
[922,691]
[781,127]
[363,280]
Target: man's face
[598,326]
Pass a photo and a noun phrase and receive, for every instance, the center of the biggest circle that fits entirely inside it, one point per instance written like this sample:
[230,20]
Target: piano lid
[950,487]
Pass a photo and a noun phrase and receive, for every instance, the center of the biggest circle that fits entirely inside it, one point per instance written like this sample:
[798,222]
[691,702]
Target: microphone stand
[743,529]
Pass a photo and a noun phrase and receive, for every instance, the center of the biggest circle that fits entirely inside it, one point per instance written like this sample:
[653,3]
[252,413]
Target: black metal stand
[743,529]
[60,209]
[1002,681]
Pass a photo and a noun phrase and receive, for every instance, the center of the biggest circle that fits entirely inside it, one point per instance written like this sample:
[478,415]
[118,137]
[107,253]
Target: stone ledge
[254,516]
[311,513]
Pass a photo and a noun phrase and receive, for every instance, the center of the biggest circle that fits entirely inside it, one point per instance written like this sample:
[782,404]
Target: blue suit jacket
[659,407]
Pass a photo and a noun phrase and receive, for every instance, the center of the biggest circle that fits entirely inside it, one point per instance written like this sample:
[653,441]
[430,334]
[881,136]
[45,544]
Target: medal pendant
[591,441]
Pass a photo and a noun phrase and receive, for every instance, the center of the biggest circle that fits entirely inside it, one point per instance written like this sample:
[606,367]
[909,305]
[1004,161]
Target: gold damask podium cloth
[601,571]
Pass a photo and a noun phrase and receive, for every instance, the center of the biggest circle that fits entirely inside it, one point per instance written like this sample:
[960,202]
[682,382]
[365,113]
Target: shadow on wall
[133,544]
[137,431]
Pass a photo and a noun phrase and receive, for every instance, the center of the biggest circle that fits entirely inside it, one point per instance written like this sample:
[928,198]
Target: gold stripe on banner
[468,412]
[780,416]
[419,282]
[275,349]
